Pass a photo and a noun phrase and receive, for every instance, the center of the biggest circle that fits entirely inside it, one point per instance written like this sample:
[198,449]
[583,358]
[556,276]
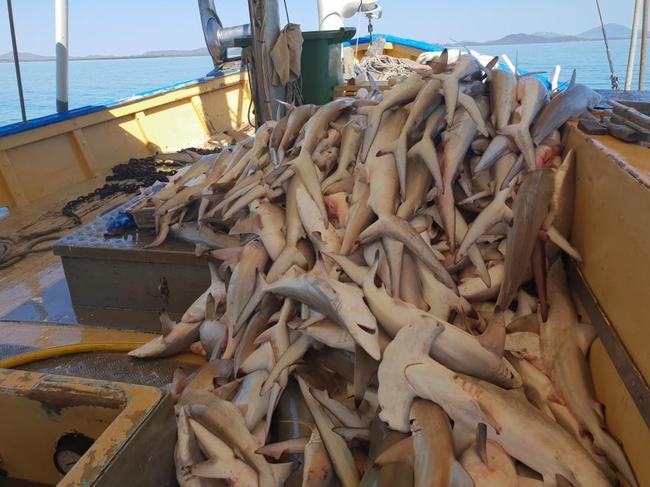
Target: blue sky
[123,27]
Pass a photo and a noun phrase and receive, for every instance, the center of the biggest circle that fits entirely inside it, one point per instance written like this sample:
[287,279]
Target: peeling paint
[65,398]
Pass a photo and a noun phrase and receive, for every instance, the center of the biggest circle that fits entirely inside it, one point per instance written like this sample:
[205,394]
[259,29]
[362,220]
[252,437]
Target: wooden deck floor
[30,277]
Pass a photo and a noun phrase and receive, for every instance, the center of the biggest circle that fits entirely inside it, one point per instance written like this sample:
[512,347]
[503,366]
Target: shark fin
[166,322]
[521,135]
[481,443]
[210,308]
[585,335]
[494,336]
[250,224]
[572,83]
[400,452]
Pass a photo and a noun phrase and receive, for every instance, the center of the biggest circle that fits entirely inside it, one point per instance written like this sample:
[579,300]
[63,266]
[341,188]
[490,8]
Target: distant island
[614,32]
[31,57]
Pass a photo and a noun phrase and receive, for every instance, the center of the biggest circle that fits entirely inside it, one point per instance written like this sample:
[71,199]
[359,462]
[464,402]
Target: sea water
[99,81]
[588,58]
[91,82]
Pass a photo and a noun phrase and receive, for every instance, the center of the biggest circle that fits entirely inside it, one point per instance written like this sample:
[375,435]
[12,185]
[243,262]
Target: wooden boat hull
[49,154]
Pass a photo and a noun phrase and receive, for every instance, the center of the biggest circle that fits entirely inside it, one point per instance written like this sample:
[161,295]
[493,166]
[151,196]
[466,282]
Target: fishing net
[384,67]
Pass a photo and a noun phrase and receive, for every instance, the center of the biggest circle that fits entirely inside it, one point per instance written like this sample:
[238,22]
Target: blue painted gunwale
[402,41]
[18,127]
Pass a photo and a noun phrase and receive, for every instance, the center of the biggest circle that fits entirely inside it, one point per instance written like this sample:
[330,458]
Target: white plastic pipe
[331,13]
[631,59]
[555,77]
[61,35]
[508,62]
[644,44]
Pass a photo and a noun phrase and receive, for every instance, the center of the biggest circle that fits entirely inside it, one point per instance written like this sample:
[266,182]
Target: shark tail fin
[521,135]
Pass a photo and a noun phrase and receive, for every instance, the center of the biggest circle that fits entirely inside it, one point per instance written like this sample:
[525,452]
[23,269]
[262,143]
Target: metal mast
[14,47]
[644,44]
[61,19]
[633,41]
[265,27]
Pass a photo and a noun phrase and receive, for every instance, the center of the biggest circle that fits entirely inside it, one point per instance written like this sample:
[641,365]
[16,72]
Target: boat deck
[36,309]
[36,284]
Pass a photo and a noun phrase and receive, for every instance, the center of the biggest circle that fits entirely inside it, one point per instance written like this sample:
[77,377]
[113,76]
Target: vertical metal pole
[61,19]
[255,69]
[271,32]
[19,80]
[631,59]
[644,44]
[265,27]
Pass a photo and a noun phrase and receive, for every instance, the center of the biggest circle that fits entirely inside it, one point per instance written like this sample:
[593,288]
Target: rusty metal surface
[54,395]
[109,366]
[147,459]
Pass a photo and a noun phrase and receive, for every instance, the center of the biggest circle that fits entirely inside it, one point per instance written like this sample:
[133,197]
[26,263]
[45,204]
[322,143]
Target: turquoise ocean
[101,81]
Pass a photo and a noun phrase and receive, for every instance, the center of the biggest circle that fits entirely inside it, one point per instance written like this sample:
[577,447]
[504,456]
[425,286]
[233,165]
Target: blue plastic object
[117,224]
[425,46]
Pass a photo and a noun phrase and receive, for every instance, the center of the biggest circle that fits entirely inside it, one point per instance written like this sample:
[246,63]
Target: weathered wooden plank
[128,108]
[87,161]
[11,181]
[200,114]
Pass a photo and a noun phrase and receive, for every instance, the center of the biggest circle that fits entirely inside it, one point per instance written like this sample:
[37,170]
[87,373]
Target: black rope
[126,178]
[286,11]
[14,48]
[613,76]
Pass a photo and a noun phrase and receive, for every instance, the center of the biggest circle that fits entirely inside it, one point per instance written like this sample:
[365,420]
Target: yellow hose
[29,357]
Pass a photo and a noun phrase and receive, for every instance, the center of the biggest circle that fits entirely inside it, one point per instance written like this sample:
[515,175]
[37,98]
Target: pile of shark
[388,303]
